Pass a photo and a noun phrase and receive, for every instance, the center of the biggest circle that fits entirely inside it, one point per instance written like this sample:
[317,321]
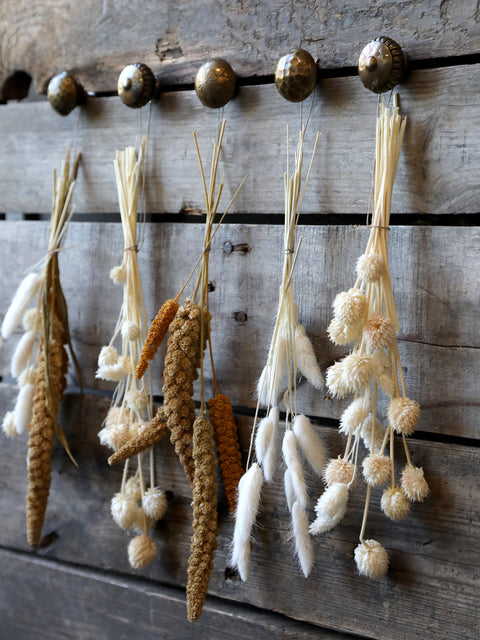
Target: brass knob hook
[215,83]
[382,64]
[137,85]
[296,75]
[65,93]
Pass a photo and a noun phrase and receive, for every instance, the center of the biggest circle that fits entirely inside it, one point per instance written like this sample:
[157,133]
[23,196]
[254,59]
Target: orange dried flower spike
[156,334]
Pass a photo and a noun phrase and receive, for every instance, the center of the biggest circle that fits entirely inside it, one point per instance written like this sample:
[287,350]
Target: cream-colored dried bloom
[376,469]
[29,319]
[414,484]
[115,415]
[371,559]
[117,274]
[330,508]
[338,470]
[379,333]
[126,363]
[370,267]
[340,333]
[131,330]
[137,400]
[353,417]
[124,510]
[335,381]
[108,356]
[372,434]
[8,425]
[132,488]
[395,504]
[357,371]
[141,551]
[350,306]
[27,376]
[403,415]
[134,429]
[114,436]
[154,503]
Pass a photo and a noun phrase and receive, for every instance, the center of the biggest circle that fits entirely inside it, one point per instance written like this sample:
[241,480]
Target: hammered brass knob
[65,93]
[137,85]
[296,75]
[215,83]
[382,64]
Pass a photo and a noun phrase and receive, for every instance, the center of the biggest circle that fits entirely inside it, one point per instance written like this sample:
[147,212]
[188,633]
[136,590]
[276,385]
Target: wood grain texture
[68,602]
[434,563]
[97,39]
[437,171]
[436,294]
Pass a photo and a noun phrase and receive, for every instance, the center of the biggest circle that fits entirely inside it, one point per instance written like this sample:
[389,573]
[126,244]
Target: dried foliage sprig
[128,428]
[40,361]
[290,352]
[367,315]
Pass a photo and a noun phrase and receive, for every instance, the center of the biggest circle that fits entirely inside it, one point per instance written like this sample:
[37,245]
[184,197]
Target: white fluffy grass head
[108,356]
[336,381]
[341,334]
[142,521]
[136,400]
[114,436]
[117,274]
[395,504]
[379,333]
[338,470]
[124,510]
[27,376]
[131,331]
[372,433]
[132,488]
[8,425]
[414,484]
[353,417]
[357,371]
[403,415]
[376,469]
[142,550]
[154,503]
[370,267]
[350,306]
[29,319]
[371,559]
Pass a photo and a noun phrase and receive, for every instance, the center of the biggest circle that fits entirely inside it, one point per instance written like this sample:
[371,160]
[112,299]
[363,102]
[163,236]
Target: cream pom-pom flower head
[379,333]
[341,333]
[371,559]
[141,551]
[339,470]
[403,415]
[350,306]
[414,484]
[117,274]
[357,371]
[154,503]
[395,504]
[336,383]
[370,267]
[353,417]
[376,469]
[124,510]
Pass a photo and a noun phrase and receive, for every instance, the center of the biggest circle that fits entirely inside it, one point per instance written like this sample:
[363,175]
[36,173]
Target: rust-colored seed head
[226,439]
[156,334]
[204,539]
[147,436]
[181,362]
[42,429]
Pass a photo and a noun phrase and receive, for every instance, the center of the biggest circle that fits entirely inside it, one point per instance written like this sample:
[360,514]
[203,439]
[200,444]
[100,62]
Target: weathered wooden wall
[80,584]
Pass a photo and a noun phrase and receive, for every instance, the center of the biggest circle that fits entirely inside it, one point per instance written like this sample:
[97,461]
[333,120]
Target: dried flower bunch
[366,314]
[130,428]
[194,437]
[290,352]
[40,360]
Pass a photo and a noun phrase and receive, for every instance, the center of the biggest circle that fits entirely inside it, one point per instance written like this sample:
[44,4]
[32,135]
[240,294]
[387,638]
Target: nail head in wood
[137,85]
[215,83]
[296,75]
[65,93]
[382,64]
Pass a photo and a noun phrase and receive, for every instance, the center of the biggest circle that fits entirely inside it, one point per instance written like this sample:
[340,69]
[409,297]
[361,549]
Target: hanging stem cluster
[366,314]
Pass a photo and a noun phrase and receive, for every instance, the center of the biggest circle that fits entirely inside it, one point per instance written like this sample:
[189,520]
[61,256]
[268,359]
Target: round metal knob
[215,83]
[137,85]
[382,64]
[296,75]
[65,93]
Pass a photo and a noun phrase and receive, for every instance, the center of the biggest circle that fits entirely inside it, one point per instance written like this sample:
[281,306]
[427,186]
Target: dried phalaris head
[341,334]
[339,470]
[403,415]
[350,307]
[376,469]
[124,510]
[370,267]
[379,333]
[353,417]
[414,484]
[371,559]
[357,371]
[154,503]
[395,504]
[142,550]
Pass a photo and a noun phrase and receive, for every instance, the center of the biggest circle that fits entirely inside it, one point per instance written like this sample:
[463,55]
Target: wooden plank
[69,602]
[436,293]
[97,39]
[434,562]
[437,171]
